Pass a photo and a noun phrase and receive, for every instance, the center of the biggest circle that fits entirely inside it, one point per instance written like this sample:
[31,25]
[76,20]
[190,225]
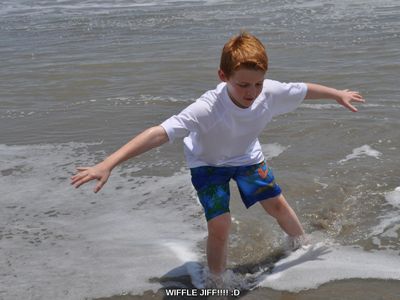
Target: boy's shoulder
[211,98]
[270,85]
[208,103]
[284,89]
[274,86]
[214,93]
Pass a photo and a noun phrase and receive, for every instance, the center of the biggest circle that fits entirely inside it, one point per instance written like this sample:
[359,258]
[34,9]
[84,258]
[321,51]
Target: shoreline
[351,289]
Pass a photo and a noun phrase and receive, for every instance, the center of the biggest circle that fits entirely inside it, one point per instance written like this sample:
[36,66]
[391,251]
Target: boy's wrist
[332,93]
[108,164]
[317,91]
[337,95]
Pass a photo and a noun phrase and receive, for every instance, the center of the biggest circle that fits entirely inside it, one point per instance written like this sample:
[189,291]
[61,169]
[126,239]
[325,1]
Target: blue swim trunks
[255,183]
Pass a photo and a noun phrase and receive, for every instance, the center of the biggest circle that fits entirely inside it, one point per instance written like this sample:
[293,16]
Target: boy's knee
[218,227]
[276,207]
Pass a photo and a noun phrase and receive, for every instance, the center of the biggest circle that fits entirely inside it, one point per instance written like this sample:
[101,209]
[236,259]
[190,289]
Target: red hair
[243,51]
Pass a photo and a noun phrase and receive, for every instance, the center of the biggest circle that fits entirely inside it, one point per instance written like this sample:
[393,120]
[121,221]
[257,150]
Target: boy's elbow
[159,135]
[311,91]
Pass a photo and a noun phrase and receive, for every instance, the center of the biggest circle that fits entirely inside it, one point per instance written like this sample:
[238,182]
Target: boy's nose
[251,92]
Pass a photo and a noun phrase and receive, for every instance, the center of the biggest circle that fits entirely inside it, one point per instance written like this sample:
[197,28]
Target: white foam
[273,150]
[360,152]
[69,6]
[181,251]
[63,243]
[309,268]
[389,223]
[325,106]
[189,260]
[319,106]
[394,197]
[323,185]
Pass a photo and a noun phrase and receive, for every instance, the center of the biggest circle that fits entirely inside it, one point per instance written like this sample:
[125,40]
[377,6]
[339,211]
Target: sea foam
[362,151]
[394,197]
[310,267]
[63,243]
[387,230]
[273,150]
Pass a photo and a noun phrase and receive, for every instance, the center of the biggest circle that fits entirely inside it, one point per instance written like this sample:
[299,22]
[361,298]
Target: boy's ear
[222,75]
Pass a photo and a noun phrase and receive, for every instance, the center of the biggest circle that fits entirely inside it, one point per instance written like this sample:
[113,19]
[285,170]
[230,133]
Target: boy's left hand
[346,97]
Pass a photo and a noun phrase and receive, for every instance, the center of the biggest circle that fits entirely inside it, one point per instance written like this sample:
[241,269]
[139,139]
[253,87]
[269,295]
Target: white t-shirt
[218,133]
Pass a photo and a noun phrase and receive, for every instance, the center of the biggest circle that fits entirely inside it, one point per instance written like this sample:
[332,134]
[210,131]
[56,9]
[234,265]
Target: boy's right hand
[86,174]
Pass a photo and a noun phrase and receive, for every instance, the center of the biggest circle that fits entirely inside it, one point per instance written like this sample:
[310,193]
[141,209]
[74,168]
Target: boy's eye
[245,85]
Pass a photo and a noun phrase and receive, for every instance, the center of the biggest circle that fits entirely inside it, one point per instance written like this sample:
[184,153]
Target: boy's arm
[148,139]
[343,97]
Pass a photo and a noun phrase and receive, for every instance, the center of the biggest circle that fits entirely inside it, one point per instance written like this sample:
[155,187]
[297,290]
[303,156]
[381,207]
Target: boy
[220,133]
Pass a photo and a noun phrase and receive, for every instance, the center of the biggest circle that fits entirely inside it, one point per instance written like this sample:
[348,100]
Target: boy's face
[244,86]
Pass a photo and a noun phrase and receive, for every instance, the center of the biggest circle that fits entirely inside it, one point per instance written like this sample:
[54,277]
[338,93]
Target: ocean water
[78,79]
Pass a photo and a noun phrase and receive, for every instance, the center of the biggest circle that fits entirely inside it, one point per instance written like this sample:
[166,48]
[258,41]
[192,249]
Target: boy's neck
[234,101]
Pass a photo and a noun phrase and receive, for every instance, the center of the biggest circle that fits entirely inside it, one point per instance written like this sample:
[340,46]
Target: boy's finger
[78,183]
[82,168]
[77,177]
[351,107]
[82,181]
[99,185]
[75,180]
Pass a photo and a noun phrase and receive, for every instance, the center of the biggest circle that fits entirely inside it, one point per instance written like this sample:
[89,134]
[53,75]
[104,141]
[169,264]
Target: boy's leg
[257,182]
[217,243]
[212,186]
[284,214]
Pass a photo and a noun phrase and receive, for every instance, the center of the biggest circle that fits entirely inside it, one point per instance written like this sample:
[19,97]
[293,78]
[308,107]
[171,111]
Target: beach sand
[356,289]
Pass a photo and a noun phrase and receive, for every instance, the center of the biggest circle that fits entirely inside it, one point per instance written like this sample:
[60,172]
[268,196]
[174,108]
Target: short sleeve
[179,126]
[175,127]
[286,97]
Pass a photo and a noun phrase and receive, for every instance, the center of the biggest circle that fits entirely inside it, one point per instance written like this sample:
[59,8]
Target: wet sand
[355,289]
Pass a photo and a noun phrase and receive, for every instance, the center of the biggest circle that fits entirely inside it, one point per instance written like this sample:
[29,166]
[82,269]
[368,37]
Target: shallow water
[78,80]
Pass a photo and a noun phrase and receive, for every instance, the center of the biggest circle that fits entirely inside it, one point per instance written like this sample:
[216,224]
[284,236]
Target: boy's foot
[213,281]
[227,280]
[297,242]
